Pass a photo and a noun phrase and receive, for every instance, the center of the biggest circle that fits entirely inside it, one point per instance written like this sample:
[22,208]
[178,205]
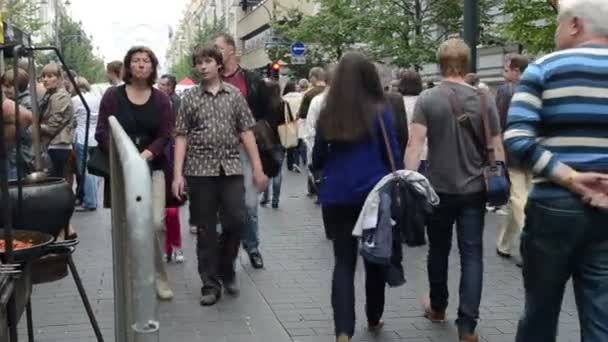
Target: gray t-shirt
[455,164]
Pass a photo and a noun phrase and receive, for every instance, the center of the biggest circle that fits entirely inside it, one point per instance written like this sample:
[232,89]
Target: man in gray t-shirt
[455,160]
[455,170]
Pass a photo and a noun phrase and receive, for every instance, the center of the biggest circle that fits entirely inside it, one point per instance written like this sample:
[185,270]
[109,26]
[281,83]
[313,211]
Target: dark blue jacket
[351,170]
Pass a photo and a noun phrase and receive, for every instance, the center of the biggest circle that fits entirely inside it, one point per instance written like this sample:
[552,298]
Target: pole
[57,26]
[471,30]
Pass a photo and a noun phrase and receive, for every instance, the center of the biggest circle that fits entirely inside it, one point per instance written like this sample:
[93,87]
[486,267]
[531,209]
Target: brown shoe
[342,338]
[375,328]
[430,314]
[469,338]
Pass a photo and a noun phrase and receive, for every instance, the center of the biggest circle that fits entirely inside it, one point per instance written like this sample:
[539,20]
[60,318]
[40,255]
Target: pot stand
[67,248]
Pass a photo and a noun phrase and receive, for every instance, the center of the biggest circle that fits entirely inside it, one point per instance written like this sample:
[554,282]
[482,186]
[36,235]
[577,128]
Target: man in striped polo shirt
[558,126]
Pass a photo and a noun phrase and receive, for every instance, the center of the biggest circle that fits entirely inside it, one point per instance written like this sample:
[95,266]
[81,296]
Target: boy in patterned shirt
[213,120]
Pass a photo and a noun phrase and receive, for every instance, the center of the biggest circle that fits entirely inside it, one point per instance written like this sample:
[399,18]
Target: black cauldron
[48,206]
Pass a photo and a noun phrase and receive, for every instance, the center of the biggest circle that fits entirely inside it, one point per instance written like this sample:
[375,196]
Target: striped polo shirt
[559,114]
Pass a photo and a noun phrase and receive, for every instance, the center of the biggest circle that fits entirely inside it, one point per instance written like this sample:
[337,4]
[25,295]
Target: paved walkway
[288,301]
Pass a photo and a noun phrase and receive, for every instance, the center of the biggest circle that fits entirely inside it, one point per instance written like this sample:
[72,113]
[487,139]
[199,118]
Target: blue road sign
[298,49]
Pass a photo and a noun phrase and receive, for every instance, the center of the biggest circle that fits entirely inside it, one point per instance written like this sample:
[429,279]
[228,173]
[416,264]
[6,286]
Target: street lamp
[471,30]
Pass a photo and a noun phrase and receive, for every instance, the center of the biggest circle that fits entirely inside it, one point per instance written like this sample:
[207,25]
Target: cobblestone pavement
[289,299]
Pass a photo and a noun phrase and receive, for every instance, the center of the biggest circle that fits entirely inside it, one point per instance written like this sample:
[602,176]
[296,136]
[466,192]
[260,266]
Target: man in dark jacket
[251,86]
[521,179]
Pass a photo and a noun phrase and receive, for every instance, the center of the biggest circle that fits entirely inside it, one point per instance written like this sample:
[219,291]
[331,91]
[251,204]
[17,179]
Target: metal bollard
[135,306]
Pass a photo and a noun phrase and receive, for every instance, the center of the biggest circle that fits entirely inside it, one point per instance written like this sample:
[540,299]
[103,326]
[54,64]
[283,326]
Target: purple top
[161,119]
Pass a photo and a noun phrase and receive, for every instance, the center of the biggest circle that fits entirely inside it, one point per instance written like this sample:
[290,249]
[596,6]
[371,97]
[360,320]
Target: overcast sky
[116,25]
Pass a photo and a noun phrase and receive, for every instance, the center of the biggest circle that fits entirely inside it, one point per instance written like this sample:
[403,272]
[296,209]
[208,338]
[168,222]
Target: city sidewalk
[289,299]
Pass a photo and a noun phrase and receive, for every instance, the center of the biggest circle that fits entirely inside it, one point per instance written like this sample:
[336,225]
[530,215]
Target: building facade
[198,14]
[49,12]
[254,30]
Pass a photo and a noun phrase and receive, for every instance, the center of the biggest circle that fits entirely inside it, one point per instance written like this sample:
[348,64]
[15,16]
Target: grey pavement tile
[289,300]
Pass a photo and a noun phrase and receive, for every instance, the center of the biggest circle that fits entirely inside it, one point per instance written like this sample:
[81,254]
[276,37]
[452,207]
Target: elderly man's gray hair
[592,12]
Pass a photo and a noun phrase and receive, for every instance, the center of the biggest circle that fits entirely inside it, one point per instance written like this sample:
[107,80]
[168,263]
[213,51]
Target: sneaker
[501,212]
[209,297]
[503,254]
[275,205]
[256,260]
[82,209]
[178,255]
[168,258]
[163,291]
[264,202]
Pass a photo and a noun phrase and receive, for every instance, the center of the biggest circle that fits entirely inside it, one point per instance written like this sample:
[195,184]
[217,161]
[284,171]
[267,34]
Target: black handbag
[99,163]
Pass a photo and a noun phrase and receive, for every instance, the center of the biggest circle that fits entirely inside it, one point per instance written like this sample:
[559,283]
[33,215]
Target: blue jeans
[468,212]
[279,154]
[89,200]
[340,220]
[251,240]
[562,239]
[302,153]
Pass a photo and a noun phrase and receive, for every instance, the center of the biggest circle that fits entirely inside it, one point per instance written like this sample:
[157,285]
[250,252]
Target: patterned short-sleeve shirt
[212,125]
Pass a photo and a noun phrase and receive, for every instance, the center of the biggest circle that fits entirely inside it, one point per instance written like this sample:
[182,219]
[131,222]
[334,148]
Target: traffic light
[274,70]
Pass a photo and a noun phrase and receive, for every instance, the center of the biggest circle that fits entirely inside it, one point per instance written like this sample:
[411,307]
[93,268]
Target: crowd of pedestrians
[222,144]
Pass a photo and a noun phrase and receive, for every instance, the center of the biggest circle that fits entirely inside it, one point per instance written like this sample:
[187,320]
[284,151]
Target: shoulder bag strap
[288,114]
[490,152]
[387,144]
[462,119]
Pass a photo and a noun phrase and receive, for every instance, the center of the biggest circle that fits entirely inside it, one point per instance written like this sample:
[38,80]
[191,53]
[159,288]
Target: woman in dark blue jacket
[350,150]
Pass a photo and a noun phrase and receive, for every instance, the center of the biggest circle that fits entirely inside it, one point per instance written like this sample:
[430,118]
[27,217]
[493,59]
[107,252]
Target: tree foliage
[22,13]
[77,50]
[405,33]
[204,33]
[532,24]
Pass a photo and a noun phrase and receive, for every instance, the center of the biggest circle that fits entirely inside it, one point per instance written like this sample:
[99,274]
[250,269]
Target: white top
[80,115]
[310,126]
[410,106]
[294,99]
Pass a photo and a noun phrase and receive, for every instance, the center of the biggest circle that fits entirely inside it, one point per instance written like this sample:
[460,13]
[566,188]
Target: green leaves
[405,33]
[77,50]
[532,24]
[23,14]
[204,33]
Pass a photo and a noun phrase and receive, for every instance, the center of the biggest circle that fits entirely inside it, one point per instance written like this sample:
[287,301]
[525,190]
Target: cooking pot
[48,205]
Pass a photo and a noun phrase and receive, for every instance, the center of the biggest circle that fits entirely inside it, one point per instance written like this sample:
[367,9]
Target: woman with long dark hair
[350,149]
[145,114]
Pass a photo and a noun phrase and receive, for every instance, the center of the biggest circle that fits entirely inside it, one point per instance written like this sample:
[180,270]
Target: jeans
[562,239]
[291,157]
[340,220]
[59,161]
[279,153]
[211,197]
[251,240]
[468,212]
[89,200]
[302,153]
[11,172]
